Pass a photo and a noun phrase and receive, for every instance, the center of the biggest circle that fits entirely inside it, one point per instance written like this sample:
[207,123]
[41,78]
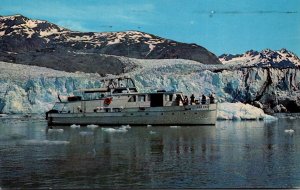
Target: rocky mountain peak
[267,57]
[251,53]
[20,34]
[27,28]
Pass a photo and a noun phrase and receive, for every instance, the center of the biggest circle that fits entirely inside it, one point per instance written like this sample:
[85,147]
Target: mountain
[266,58]
[28,41]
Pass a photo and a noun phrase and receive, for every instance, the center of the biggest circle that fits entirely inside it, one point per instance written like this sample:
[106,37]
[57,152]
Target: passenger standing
[178,99]
[203,100]
[185,100]
[211,98]
[192,99]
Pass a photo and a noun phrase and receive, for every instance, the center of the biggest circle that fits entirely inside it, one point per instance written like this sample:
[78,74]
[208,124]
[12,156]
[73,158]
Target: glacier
[31,89]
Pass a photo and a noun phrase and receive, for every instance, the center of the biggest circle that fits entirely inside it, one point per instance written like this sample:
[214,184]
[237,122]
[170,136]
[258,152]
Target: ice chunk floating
[43,142]
[92,126]
[289,131]
[115,130]
[240,111]
[55,130]
[74,126]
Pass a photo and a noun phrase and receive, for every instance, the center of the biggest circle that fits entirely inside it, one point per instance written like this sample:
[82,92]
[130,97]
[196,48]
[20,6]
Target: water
[251,154]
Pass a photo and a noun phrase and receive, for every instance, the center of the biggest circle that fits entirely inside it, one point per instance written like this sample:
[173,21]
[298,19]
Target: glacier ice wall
[39,94]
[29,89]
[268,85]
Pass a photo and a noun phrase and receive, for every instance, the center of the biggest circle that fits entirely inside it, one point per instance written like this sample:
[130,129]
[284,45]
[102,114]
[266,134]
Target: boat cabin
[118,94]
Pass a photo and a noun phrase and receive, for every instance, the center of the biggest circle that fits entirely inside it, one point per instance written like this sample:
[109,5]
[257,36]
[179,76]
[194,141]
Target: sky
[221,26]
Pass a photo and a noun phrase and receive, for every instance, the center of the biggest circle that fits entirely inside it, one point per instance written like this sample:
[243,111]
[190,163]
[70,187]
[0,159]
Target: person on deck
[185,100]
[178,99]
[192,99]
[203,100]
[211,99]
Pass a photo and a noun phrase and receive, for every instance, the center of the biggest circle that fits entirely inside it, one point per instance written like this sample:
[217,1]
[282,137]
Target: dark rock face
[258,104]
[19,34]
[278,90]
[270,78]
[72,61]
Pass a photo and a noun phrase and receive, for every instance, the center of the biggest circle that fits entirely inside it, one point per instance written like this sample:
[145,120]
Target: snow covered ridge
[18,24]
[22,34]
[266,58]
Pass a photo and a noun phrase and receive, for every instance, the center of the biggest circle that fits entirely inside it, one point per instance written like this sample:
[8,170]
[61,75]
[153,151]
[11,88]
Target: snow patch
[31,24]
[115,41]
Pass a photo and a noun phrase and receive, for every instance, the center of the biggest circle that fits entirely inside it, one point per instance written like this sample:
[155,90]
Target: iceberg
[43,142]
[55,130]
[240,111]
[74,126]
[92,126]
[115,130]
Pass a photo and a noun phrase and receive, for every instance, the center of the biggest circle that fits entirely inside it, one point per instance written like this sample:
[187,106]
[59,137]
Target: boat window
[157,100]
[141,98]
[169,97]
[74,98]
[148,98]
[132,99]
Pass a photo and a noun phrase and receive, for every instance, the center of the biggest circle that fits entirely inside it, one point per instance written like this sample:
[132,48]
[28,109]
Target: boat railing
[60,106]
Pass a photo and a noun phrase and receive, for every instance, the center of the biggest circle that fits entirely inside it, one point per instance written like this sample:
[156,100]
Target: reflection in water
[230,154]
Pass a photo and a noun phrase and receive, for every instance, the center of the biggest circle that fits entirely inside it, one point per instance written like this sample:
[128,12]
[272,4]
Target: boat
[118,102]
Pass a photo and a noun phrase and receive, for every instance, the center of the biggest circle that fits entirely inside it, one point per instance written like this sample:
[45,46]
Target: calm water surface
[250,154]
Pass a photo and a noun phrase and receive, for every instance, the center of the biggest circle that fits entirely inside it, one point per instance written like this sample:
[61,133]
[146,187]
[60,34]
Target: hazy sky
[222,26]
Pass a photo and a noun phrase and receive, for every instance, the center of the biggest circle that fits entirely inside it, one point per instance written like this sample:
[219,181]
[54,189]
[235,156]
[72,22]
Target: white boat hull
[173,115]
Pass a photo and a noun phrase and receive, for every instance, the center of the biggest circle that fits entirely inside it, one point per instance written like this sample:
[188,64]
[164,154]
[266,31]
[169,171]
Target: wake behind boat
[119,102]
